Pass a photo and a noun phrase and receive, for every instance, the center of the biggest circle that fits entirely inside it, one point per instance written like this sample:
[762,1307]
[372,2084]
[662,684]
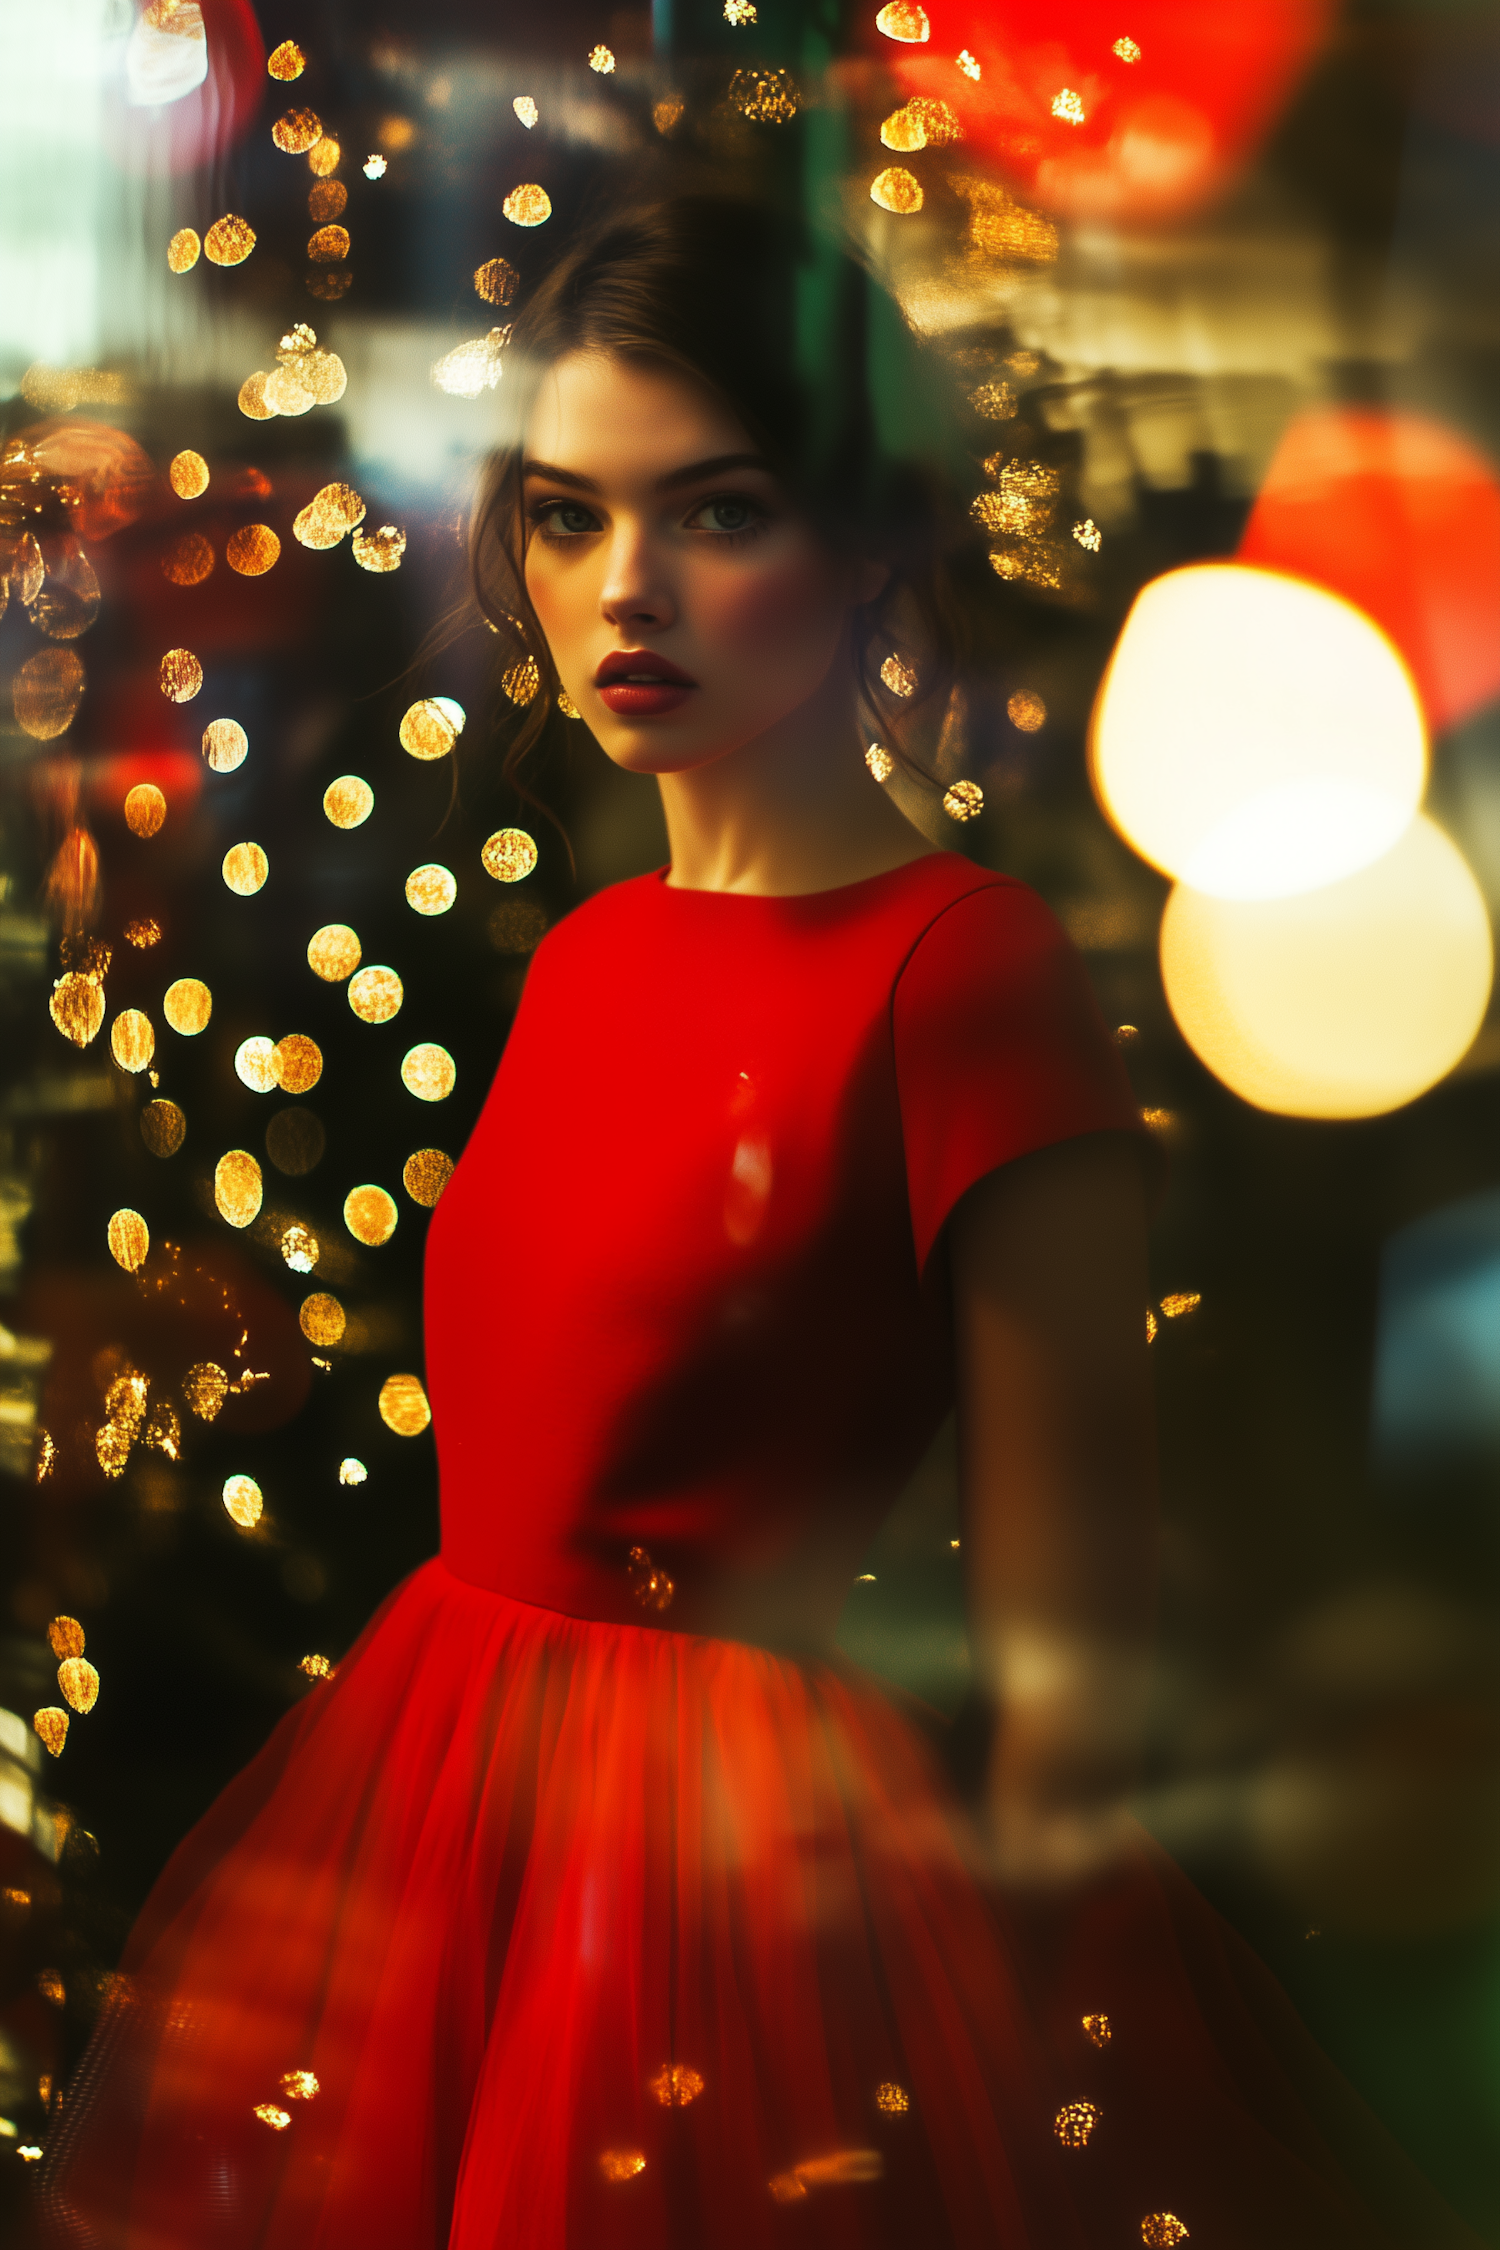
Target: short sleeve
[1000,1049]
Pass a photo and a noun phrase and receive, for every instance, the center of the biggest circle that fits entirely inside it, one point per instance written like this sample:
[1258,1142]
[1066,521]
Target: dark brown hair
[821,370]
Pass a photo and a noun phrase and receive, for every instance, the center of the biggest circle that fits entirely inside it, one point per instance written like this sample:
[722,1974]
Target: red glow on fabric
[1158,136]
[1402,517]
[181,135]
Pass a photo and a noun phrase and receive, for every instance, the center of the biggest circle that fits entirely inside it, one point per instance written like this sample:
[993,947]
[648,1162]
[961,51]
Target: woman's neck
[792,812]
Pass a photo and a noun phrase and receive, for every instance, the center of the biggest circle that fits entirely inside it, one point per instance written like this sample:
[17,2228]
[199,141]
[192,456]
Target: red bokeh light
[1148,138]
[1402,517]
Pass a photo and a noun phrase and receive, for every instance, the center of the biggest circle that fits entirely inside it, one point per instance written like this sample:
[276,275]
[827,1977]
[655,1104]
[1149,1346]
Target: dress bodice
[686,1337]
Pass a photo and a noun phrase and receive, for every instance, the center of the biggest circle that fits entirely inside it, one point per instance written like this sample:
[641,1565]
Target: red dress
[607,1907]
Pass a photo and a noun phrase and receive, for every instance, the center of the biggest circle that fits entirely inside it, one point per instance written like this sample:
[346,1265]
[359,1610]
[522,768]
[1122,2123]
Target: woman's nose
[635,590]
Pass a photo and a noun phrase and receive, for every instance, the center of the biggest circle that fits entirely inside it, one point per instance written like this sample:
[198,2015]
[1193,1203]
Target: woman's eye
[565,519]
[726,515]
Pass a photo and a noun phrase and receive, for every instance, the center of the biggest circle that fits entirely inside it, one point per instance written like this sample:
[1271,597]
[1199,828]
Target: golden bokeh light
[666,115]
[225,744]
[326,199]
[521,683]
[328,516]
[352,1471]
[1255,735]
[181,675]
[50,1725]
[188,475]
[1025,503]
[425,1174]
[297,131]
[238,1187]
[897,190]
[132,1040]
[316,1668]
[145,809]
[187,1006]
[284,392]
[295,1141]
[205,1387]
[375,994]
[79,1683]
[328,245]
[188,561]
[299,1248]
[1074,2123]
[298,1062]
[245,869]
[129,1239]
[1127,50]
[472,367]
[766,97]
[1180,1303]
[143,932]
[323,157]
[229,241]
[252,398]
[268,2112]
[1098,2029]
[349,801]
[1026,711]
[496,281]
[183,250]
[1162,2230]
[252,550]
[566,707]
[1088,535]
[380,550]
[845,2167]
[898,676]
[1067,104]
[1347,1001]
[163,1127]
[964,801]
[602,59]
[77,1007]
[328,283]
[286,61]
[617,2164]
[675,2085]
[333,952]
[738,13]
[430,728]
[892,2100]
[65,1638]
[431,889]
[429,1072]
[904,132]
[403,1405]
[880,762]
[370,1215]
[255,1064]
[993,402]
[47,691]
[527,206]
[526,110]
[375,166]
[904,20]
[322,1319]
[938,119]
[509,855]
[244,1503]
[301,2085]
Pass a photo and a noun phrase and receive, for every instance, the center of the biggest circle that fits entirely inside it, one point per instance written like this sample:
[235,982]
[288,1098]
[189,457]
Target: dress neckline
[802,898]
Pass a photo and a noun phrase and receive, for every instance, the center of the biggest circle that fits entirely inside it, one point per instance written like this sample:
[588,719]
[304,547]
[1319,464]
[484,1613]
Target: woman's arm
[1057,1463]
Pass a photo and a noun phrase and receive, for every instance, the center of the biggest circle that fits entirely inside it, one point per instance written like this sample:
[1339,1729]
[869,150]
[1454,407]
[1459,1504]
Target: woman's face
[688,608]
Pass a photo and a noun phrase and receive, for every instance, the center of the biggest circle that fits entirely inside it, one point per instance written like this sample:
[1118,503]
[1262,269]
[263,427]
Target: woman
[596,1902]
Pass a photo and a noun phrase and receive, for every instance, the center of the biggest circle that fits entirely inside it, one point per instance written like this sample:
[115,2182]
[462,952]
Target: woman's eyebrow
[559,476]
[693,473]
[718,466]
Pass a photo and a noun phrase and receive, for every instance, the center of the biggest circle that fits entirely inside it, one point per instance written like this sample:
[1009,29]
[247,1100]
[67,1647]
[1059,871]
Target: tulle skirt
[535,1932]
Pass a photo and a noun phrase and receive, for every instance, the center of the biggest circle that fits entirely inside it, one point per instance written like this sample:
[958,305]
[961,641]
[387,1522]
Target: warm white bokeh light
[1341,1002]
[1254,735]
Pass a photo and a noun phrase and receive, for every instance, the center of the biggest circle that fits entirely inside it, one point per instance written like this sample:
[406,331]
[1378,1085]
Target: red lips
[635,683]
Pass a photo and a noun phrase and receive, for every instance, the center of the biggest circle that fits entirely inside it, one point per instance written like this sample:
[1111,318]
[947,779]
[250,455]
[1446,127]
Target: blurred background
[1211,296]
